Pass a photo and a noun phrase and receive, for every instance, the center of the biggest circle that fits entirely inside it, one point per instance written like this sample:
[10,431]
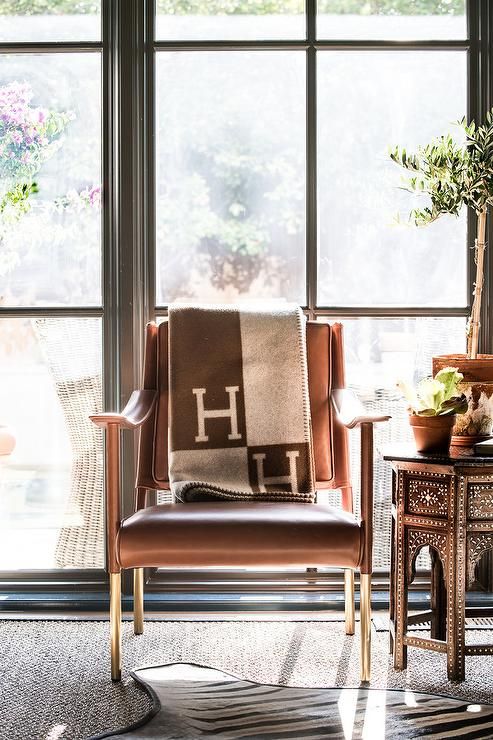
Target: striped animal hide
[198,702]
[239,407]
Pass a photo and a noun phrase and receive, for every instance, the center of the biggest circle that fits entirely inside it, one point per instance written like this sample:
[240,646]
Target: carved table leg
[438,598]
[393,535]
[456,593]
[401,586]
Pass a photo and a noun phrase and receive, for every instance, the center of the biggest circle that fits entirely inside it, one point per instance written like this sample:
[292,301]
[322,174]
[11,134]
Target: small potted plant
[433,406]
[452,175]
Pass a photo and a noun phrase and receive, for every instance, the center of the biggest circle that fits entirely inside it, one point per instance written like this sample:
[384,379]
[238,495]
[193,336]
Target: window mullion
[311,160]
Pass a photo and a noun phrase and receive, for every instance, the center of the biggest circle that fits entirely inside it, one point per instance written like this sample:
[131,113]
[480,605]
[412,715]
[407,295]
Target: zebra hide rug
[193,701]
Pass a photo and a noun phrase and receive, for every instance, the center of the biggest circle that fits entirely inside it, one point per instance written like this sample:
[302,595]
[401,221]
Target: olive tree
[453,175]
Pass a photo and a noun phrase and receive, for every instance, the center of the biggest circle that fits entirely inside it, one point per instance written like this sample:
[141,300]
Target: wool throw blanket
[240,423]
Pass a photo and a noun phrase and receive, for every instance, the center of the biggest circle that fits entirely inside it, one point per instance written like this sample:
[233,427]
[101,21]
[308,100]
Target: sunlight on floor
[375,715]
[56,732]
[347,711]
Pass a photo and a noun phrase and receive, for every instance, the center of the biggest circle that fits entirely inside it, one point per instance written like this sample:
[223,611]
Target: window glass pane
[50,136]
[392,19]
[230,19]
[230,205]
[378,353]
[50,20]
[51,485]
[367,102]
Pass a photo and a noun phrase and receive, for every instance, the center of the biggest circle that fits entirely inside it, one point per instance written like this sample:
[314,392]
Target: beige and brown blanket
[239,407]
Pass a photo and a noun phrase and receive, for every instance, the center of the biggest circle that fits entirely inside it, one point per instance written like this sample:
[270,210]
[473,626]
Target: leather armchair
[242,534]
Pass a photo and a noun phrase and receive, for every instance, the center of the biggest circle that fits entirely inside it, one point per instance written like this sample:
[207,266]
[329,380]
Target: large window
[230,200]
[212,150]
[51,284]
[273,177]
[389,97]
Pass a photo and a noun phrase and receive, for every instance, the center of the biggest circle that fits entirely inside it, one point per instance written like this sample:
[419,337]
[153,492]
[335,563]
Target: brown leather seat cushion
[239,535]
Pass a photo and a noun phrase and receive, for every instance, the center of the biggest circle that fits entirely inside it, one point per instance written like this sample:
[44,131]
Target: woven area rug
[55,675]
[195,702]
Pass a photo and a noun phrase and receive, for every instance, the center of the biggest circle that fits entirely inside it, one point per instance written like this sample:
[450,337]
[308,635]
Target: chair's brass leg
[115,625]
[349,600]
[365,623]
[138,601]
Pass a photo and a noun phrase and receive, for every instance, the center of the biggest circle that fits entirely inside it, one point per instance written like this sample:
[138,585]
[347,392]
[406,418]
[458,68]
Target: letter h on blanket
[203,414]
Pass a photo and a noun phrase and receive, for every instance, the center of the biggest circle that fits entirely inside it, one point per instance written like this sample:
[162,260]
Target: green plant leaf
[427,412]
[409,394]
[431,394]
[450,377]
[438,396]
[454,405]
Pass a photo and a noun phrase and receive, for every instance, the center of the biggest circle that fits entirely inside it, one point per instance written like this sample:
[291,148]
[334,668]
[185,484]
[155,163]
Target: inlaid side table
[445,502]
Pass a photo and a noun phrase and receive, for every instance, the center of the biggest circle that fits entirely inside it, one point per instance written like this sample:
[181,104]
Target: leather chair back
[325,355]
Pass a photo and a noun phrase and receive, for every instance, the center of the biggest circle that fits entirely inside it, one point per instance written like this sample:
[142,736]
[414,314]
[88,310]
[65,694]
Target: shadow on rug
[193,701]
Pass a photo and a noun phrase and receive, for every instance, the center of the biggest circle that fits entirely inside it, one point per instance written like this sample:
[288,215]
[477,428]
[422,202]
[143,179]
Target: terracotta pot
[477,423]
[7,440]
[432,433]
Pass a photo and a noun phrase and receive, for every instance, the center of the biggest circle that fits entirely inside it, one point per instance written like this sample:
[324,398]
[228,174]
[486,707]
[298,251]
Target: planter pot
[477,423]
[7,440]
[432,433]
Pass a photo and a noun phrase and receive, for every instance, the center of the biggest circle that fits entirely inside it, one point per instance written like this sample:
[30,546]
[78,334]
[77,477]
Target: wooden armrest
[136,412]
[138,409]
[351,412]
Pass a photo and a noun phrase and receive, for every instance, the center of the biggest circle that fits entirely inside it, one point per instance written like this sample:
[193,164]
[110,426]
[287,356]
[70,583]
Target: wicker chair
[72,349]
